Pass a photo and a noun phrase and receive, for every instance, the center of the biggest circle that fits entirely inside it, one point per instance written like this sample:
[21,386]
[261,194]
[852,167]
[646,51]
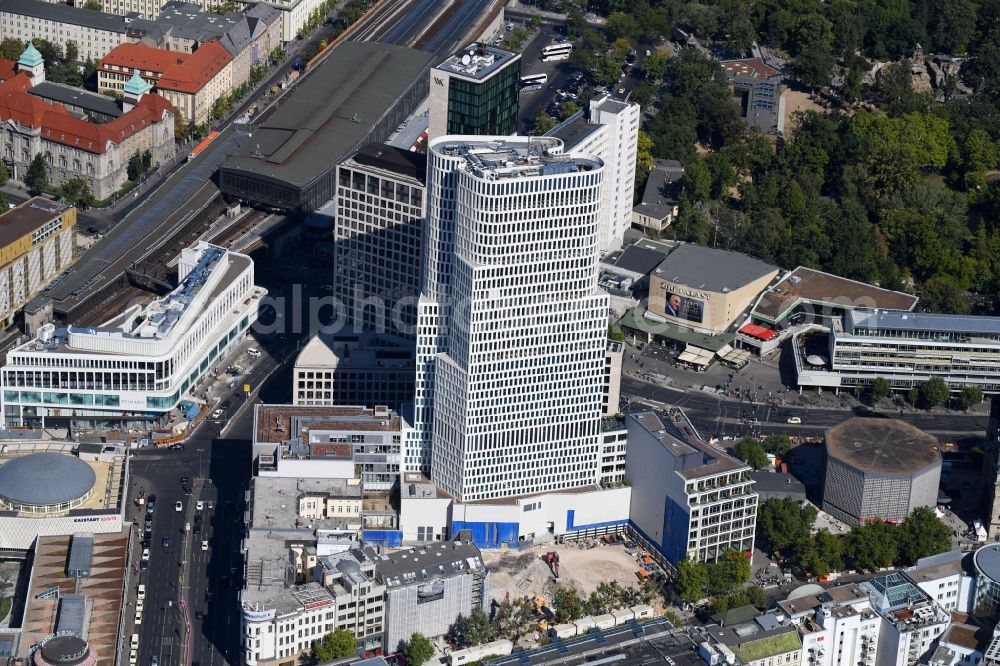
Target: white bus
[556,52]
[534,79]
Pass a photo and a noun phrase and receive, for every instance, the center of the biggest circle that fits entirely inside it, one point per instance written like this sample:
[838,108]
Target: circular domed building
[879,469]
[66,650]
[45,483]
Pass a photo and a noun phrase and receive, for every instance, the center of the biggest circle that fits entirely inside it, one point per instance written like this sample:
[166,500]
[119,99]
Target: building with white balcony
[137,367]
[948,578]
[767,640]
[512,327]
[838,626]
[962,644]
[911,620]
[689,499]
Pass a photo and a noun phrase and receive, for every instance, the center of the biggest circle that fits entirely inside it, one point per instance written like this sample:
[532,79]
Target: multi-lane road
[711,414]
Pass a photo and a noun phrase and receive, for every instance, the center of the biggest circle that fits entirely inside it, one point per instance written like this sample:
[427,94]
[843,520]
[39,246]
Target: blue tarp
[193,413]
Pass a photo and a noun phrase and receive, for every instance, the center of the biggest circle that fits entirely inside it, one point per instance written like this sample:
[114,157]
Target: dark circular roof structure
[45,479]
[65,651]
[882,446]
[987,561]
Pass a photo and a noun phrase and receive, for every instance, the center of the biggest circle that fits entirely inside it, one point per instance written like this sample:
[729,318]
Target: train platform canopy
[359,94]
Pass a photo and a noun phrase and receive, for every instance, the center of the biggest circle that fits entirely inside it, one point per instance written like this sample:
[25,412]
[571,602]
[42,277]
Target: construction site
[582,565]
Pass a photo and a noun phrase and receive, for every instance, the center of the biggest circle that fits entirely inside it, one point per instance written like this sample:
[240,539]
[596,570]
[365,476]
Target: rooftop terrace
[477,61]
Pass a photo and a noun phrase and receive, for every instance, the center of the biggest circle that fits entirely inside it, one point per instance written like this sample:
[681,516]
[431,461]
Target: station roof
[882,445]
[330,112]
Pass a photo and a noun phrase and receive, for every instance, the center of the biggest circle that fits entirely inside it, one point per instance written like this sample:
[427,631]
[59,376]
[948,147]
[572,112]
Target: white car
[145,554]
[138,618]
[140,594]
[217,413]
[253,352]
[199,505]
[140,606]
[133,657]
[135,642]
[178,506]
[794,420]
[204,545]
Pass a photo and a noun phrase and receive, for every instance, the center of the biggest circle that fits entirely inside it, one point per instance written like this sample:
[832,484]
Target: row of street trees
[932,393]
[785,532]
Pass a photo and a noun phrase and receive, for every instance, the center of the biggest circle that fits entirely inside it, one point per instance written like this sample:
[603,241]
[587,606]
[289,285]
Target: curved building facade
[987,563]
[45,484]
[65,650]
[879,469]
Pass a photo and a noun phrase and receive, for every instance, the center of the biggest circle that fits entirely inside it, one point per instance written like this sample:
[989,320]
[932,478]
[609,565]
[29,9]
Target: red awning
[759,332]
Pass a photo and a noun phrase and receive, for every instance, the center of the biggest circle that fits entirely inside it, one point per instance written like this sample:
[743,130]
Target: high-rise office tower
[512,327]
[475,91]
[611,132]
[378,231]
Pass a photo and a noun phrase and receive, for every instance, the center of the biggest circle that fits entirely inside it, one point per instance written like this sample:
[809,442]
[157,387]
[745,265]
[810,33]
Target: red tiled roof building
[73,146]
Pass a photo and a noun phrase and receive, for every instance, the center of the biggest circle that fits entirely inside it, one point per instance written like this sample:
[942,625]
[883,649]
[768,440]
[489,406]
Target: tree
[474,629]
[4,174]
[821,554]
[692,580]
[93,5]
[566,604]
[782,524]
[880,390]
[751,452]
[4,204]
[814,58]
[621,26]
[615,334]
[643,159]
[872,545]
[970,396]
[72,52]
[777,445]
[11,49]
[923,534]
[934,392]
[181,129]
[77,191]
[729,573]
[542,123]
[336,644]
[37,177]
[418,650]
[942,293]
[134,168]
[606,598]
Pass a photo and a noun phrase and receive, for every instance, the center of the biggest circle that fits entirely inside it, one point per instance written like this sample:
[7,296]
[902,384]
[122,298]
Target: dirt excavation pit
[521,574]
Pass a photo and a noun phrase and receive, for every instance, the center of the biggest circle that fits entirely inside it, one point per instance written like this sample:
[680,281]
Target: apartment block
[767,640]
[609,129]
[94,33]
[689,499]
[838,626]
[614,447]
[911,620]
[36,244]
[330,442]
[428,587]
[947,578]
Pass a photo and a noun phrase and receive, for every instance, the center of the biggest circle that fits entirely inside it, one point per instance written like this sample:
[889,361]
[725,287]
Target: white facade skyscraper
[512,327]
[611,132]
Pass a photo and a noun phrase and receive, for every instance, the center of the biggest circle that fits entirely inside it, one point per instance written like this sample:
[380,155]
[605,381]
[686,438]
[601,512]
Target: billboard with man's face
[685,307]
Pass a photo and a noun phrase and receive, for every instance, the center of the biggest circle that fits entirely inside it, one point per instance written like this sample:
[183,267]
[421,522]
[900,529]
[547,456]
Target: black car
[197,528]
[184,481]
[166,542]
[176,447]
